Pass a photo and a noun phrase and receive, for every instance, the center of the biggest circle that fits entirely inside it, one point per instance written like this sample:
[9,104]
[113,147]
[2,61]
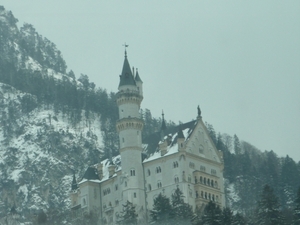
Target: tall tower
[129,127]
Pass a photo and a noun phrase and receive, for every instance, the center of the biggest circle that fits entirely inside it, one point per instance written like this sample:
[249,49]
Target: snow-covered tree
[212,214]
[128,215]
[161,210]
[181,211]
[296,216]
[268,212]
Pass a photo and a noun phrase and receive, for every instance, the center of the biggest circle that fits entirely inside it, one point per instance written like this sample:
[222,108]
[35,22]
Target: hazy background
[240,60]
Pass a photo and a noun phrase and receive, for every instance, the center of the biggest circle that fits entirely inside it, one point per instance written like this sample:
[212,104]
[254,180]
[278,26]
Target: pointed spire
[74,183]
[137,76]
[126,77]
[163,124]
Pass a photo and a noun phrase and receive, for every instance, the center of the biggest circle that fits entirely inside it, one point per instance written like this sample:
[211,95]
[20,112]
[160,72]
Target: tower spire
[125,46]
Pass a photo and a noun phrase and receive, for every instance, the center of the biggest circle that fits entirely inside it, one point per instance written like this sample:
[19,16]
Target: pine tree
[181,211]
[212,214]
[161,210]
[296,215]
[268,212]
[129,215]
[237,145]
[238,219]
[227,216]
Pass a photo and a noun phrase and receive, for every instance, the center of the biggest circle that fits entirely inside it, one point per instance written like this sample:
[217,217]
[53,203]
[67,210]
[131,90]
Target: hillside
[53,125]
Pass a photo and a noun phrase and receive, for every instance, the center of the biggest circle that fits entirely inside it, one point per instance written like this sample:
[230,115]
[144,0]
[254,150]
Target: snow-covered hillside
[40,150]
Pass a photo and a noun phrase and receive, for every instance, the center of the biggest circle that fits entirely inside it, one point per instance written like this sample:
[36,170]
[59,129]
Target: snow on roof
[172,148]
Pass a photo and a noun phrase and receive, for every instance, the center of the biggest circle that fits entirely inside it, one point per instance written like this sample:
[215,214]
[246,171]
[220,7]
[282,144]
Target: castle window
[117,202]
[125,183]
[189,179]
[192,165]
[158,169]
[132,172]
[213,172]
[201,194]
[149,187]
[116,187]
[217,198]
[176,179]
[196,181]
[209,196]
[212,183]
[134,194]
[197,195]
[175,164]
[84,201]
[208,181]
[201,180]
[149,172]
[159,185]
[204,180]
[205,195]
[213,198]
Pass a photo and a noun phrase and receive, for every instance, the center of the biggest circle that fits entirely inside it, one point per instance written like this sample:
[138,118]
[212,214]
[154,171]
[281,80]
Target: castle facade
[185,158]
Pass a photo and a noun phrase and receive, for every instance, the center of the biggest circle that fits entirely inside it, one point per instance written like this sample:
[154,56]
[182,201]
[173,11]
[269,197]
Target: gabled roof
[126,77]
[153,139]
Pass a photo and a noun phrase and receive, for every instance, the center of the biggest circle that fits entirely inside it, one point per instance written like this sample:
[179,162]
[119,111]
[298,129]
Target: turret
[129,127]
[139,83]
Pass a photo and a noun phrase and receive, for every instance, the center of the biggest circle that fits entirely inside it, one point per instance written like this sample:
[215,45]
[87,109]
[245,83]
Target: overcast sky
[239,60]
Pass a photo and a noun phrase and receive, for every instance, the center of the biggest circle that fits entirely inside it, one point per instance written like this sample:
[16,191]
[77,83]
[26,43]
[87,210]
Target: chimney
[100,170]
[111,170]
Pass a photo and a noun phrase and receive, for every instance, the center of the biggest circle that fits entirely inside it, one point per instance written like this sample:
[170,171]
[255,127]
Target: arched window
[159,185]
[176,179]
[208,181]
[212,183]
[213,198]
[201,180]
[132,172]
[204,180]
[209,196]
[196,181]
[201,194]
[116,187]
[149,172]
[149,187]
[158,169]
[175,164]
[205,195]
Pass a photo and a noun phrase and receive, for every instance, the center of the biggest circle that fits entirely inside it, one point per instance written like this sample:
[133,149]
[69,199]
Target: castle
[185,158]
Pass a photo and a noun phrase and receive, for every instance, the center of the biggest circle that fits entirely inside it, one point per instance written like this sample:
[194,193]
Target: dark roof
[126,77]
[91,174]
[153,139]
[137,77]
[74,183]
